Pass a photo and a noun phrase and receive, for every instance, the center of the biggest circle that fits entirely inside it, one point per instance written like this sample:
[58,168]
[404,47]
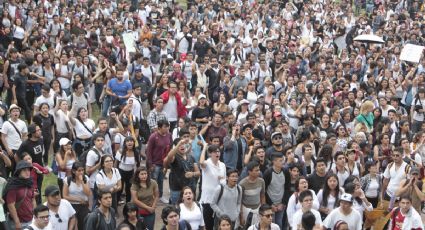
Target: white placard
[411,53]
[129,42]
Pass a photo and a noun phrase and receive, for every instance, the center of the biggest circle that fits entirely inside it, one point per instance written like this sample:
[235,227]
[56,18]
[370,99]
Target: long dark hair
[125,149]
[182,193]
[102,162]
[327,191]
[136,180]
[75,167]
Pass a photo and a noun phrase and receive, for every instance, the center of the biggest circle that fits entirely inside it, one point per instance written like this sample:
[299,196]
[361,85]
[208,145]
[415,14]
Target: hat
[276,134]
[14,106]
[22,165]
[138,69]
[202,96]
[51,190]
[244,101]
[260,95]
[347,197]
[64,141]
[277,113]
[414,170]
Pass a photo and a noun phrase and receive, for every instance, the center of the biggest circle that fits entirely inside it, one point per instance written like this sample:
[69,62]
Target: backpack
[94,214]
[83,157]
[221,192]
[55,167]
[406,169]
[71,99]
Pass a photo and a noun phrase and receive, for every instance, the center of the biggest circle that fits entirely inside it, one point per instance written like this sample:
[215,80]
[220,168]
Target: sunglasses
[59,218]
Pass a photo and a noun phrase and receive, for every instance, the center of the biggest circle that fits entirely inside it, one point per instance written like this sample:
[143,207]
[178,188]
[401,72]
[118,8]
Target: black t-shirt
[21,86]
[34,148]
[178,168]
[46,124]
[201,113]
[316,182]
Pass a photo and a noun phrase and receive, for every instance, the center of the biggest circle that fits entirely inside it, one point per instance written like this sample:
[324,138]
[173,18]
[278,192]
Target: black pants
[81,211]
[46,142]
[373,201]
[208,214]
[40,178]
[126,179]
[22,102]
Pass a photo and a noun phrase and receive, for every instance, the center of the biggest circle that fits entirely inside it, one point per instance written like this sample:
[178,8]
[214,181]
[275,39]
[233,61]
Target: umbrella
[369,38]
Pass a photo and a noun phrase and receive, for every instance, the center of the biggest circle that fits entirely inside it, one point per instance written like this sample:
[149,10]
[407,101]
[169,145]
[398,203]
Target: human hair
[231,171]
[350,188]
[406,196]
[326,153]
[308,220]
[76,84]
[304,194]
[136,180]
[97,136]
[337,154]
[276,155]
[263,208]
[125,149]
[162,123]
[182,193]
[368,165]
[367,105]
[166,211]
[251,165]
[102,119]
[224,218]
[320,159]
[40,208]
[129,207]
[44,104]
[297,182]
[327,190]
[102,162]
[101,193]
[75,166]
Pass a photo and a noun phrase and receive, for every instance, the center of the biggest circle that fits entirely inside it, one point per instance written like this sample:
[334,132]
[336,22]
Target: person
[19,196]
[61,212]
[64,159]
[84,127]
[41,220]
[234,148]
[300,185]
[190,210]
[46,122]
[145,194]
[118,90]
[213,174]
[93,160]
[371,183]
[306,200]
[79,99]
[36,172]
[227,199]
[265,222]
[224,223]
[19,89]
[107,132]
[171,217]
[131,218]
[253,193]
[173,106]
[405,216]
[414,188]
[329,195]
[108,178]
[184,169]
[77,191]
[158,146]
[13,133]
[156,115]
[317,179]
[346,213]
[102,217]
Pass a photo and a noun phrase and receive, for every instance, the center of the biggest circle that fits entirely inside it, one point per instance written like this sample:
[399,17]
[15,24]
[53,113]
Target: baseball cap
[51,190]
[64,141]
[347,197]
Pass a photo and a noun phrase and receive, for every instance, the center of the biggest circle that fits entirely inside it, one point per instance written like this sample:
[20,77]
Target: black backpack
[83,157]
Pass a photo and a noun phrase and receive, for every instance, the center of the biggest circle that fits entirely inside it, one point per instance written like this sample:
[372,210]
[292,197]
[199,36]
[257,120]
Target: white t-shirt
[13,138]
[49,100]
[331,199]
[297,217]
[60,119]
[81,131]
[170,109]
[48,227]
[395,176]
[137,107]
[127,164]
[92,160]
[210,181]
[193,217]
[65,82]
[294,205]
[65,212]
[354,220]
[102,179]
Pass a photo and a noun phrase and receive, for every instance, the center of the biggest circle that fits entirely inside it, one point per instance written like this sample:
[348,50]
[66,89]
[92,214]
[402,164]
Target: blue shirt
[120,89]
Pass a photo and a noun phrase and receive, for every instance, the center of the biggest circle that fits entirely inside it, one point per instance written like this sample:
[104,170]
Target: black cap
[51,190]
[22,165]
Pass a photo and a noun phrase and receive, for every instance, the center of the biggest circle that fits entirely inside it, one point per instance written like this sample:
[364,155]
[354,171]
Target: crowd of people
[258,114]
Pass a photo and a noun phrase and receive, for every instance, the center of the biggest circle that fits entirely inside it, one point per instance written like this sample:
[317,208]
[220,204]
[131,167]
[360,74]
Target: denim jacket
[230,156]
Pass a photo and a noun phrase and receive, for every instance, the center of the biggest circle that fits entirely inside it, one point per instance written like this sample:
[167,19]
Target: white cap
[64,141]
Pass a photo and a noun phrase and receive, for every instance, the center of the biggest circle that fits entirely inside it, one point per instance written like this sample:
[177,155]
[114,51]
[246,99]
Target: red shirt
[398,223]
[25,208]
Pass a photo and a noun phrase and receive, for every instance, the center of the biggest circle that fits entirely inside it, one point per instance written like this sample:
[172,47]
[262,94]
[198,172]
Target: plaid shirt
[153,118]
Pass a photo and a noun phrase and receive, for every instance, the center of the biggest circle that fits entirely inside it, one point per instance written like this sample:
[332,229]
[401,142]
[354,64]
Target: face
[405,205]
[99,142]
[321,167]
[340,160]
[188,195]
[173,219]
[225,225]
[307,203]
[255,172]
[54,199]
[106,200]
[332,182]
[345,206]
[232,179]
[267,217]
[42,219]
[108,163]
[303,185]
[25,173]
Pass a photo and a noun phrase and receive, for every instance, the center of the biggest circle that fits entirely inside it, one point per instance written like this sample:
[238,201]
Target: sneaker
[164,200]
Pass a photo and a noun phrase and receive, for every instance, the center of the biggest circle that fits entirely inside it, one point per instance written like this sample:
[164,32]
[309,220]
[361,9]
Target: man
[345,212]
[227,198]
[156,115]
[140,97]
[148,70]
[213,73]
[119,90]
[173,106]
[274,178]
[102,128]
[45,97]
[266,217]
[253,193]
[19,90]
[318,178]
[288,137]
[79,67]
[235,147]
[159,144]
[13,133]
[412,187]
[93,159]
[102,217]
[41,219]
[214,128]
[257,129]
[62,73]
[306,200]
[61,212]
[392,175]
[213,174]
[277,146]
[19,194]
[183,41]
[184,170]
[383,104]
[79,99]
[405,216]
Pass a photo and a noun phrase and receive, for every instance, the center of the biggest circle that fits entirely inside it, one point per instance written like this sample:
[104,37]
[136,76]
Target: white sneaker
[164,200]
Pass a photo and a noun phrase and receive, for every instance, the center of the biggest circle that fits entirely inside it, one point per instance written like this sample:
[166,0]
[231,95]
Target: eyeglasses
[59,218]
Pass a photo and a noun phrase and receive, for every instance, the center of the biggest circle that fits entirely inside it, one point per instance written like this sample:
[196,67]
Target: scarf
[17,182]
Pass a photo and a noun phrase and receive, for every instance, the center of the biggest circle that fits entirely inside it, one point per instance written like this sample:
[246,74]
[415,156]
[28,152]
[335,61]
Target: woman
[301,184]
[127,160]
[382,151]
[108,178]
[35,172]
[201,113]
[224,223]
[76,190]
[46,122]
[145,194]
[236,59]
[342,138]
[162,85]
[341,225]
[83,127]
[221,106]
[352,165]
[57,91]
[242,111]
[190,210]
[62,124]
[360,202]
[329,196]
[171,218]
[371,183]
[183,92]
[251,93]
[131,218]
[366,116]
[325,126]
[19,34]
[403,132]
[65,158]
[326,153]
[418,110]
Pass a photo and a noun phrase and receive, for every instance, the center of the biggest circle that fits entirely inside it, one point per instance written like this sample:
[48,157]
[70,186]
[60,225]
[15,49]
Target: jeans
[98,88]
[278,218]
[149,221]
[158,176]
[105,105]
[12,225]
[126,180]
[174,196]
